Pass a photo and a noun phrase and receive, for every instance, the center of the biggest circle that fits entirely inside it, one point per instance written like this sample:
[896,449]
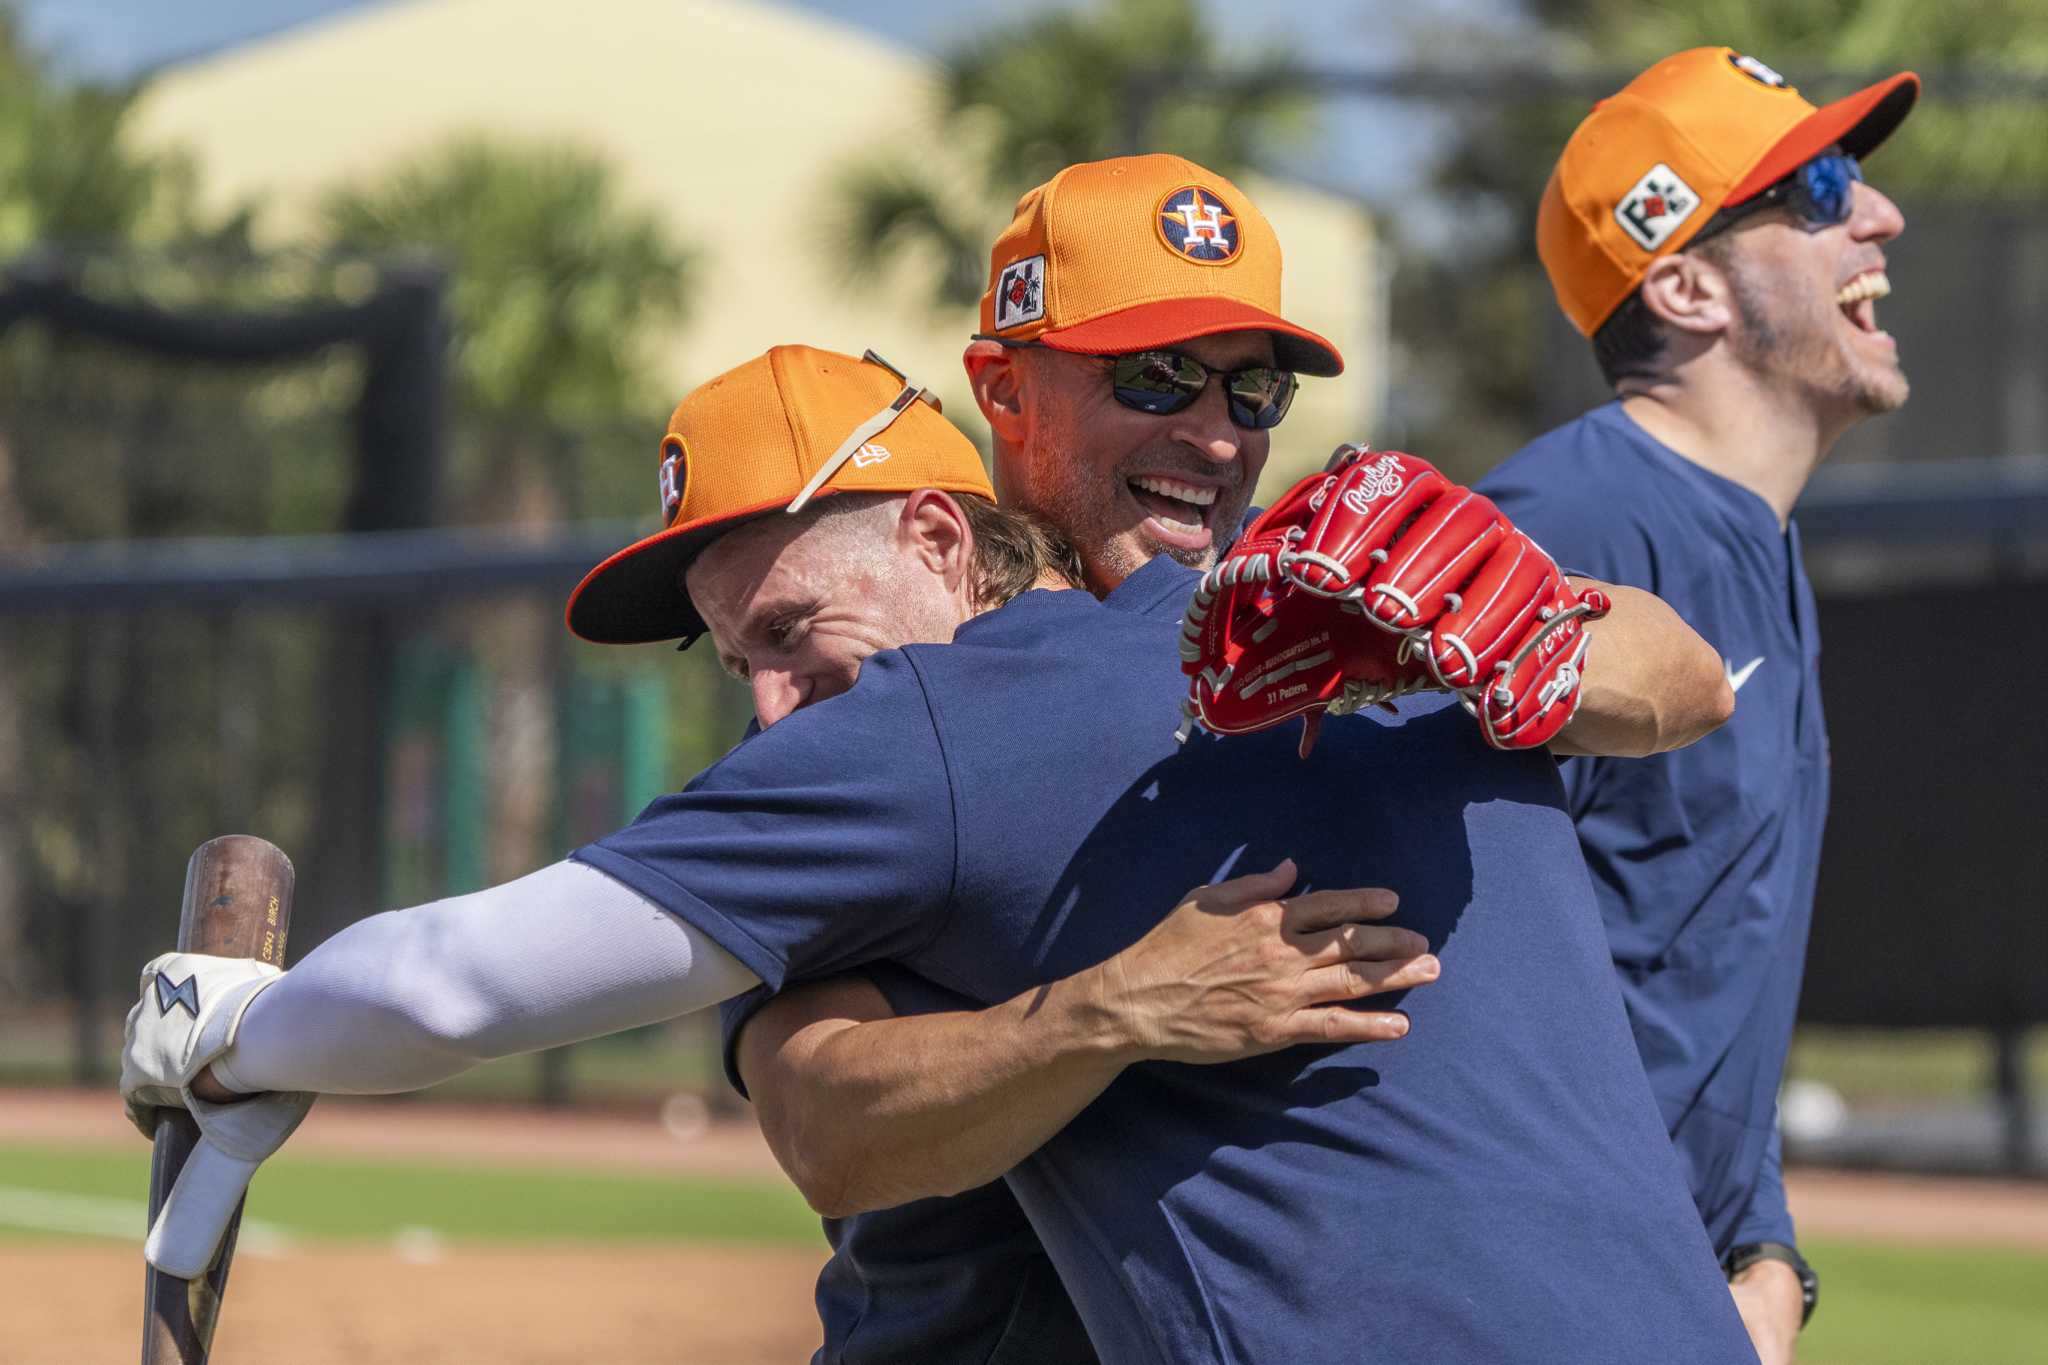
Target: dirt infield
[1840,1204]
[327,1303]
[80,1304]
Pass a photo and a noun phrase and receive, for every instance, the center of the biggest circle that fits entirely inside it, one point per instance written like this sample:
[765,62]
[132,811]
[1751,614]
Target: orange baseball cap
[781,430]
[1695,133]
[1140,251]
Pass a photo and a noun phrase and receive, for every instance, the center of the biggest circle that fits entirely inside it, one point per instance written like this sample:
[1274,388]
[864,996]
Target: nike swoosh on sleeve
[1737,677]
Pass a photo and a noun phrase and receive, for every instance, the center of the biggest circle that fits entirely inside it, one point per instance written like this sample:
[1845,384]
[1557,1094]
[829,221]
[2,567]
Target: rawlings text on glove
[1470,603]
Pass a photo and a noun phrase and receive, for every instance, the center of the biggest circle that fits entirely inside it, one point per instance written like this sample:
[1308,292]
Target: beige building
[732,120]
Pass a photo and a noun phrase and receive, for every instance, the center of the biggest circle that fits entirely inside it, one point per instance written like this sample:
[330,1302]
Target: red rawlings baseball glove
[1470,604]
[1259,651]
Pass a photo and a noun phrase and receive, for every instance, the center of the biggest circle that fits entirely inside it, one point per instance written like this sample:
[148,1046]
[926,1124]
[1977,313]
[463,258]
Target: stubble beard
[1088,508]
[1802,344]
[1091,512]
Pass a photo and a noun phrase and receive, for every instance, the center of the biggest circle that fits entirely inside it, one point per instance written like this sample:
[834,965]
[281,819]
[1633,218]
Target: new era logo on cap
[1020,293]
[1653,210]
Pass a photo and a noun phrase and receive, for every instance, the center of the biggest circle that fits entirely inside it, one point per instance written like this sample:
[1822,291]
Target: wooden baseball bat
[238,903]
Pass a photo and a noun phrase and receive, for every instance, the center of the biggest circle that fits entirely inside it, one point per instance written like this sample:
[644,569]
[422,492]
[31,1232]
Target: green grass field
[1883,1305]
[1894,1305]
[348,1199]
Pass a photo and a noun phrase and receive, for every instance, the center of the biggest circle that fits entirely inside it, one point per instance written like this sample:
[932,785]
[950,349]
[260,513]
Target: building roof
[730,120]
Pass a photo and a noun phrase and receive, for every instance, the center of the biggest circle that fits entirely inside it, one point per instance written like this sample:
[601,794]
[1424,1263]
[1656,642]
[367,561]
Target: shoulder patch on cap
[1652,211]
[1196,225]
[1756,71]
[1020,293]
[675,476]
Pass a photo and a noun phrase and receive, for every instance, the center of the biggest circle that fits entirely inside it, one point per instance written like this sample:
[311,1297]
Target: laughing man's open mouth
[1179,507]
[1858,299]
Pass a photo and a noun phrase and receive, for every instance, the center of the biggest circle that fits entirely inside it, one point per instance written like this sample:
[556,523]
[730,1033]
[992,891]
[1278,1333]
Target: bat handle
[179,1315]
[238,903]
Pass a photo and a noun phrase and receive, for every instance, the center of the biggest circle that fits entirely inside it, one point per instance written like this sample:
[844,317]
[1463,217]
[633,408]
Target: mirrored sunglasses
[1164,382]
[1821,193]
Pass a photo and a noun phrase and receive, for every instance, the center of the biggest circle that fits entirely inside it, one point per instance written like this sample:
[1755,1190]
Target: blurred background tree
[1022,100]
[558,291]
[68,171]
[70,177]
[1471,310]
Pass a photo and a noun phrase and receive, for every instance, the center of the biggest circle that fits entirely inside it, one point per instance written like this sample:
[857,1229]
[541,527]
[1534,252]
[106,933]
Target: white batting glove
[187,1018]
[190,1008]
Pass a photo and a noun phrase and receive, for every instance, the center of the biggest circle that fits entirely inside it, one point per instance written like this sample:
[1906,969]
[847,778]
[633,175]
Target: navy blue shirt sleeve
[823,842]
[1767,1218]
[733,1016]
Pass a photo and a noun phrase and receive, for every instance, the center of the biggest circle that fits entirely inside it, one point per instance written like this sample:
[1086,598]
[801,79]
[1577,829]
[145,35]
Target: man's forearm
[1651,682]
[405,999]
[865,1110]
[895,1109]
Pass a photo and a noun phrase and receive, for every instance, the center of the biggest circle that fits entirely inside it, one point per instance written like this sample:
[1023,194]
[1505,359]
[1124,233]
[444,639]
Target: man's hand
[191,1008]
[1235,971]
[1772,1304]
[867,1110]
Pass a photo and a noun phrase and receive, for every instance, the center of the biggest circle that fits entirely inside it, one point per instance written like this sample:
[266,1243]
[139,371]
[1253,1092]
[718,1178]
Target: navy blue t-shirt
[956,1280]
[1704,859]
[1011,808]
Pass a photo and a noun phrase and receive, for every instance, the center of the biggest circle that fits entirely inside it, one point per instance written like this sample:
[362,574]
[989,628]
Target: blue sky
[1376,150]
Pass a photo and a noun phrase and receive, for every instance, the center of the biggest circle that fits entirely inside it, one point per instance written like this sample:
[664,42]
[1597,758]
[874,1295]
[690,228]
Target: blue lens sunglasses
[1821,193]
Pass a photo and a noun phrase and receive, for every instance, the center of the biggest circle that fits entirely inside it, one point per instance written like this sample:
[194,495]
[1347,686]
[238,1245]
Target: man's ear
[1689,293]
[935,532]
[995,373]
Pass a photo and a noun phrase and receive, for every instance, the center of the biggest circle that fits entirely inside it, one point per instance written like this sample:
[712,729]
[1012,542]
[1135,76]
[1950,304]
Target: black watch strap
[1743,1257]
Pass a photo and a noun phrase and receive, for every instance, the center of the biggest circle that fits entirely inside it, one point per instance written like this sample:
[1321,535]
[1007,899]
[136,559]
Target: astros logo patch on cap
[1137,252]
[675,474]
[1698,132]
[1196,225]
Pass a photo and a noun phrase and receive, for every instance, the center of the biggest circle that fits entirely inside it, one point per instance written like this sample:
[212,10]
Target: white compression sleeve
[410,997]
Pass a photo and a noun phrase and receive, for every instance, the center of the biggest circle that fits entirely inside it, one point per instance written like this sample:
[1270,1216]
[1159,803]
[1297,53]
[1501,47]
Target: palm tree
[558,287]
[1027,99]
[557,291]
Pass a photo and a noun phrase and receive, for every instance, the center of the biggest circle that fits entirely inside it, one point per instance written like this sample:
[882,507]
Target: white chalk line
[96,1216]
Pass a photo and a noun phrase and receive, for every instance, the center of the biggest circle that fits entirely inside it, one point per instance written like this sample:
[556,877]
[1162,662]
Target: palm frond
[890,209]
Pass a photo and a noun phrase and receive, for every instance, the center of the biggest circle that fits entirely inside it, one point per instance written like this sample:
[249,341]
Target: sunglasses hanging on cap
[1821,193]
[866,431]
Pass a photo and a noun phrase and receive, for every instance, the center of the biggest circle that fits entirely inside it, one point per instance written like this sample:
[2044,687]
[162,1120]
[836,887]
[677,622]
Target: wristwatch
[1743,1257]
